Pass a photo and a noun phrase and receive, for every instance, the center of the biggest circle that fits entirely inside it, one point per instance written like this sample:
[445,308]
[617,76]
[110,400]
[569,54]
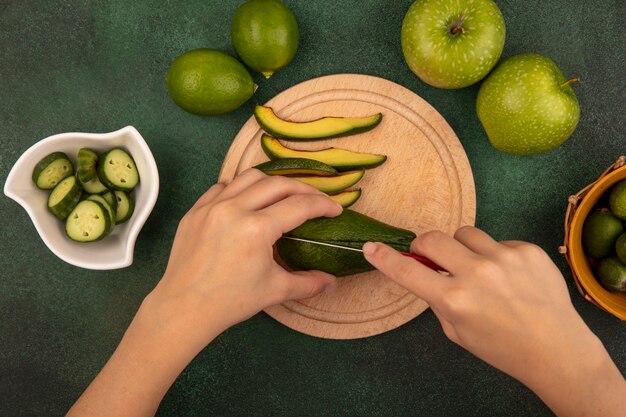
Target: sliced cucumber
[87,164]
[101,200]
[117,170]
[89,221]
[110,198]
[51,170]
[94,186]
[64,197]
[125,206]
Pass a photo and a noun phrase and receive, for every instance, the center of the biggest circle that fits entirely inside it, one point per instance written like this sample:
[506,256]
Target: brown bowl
[580,205]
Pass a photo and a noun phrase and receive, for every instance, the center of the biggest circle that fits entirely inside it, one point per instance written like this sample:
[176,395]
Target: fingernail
[369,248]
[330,287]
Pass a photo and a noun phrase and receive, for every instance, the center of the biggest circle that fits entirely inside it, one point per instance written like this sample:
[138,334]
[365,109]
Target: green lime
[612,274]
[208,82]
[600,231]
[620,248]
[265,35]
[617,200]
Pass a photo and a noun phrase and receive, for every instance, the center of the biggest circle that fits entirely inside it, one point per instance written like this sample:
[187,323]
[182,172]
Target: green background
[96,66]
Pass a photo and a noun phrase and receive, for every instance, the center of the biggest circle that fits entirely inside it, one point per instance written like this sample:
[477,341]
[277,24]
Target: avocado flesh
[351,229]
[297,171]
[333,184]
[346,198]
[296,166]
[324,128]
[340,159]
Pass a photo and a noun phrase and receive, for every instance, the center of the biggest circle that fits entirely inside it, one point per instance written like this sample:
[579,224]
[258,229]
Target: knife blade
[421,259]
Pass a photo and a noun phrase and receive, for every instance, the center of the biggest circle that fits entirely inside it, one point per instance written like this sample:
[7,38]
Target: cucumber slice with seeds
[87,164]
[99,199]
[64,197]
[51,170]
[125,206]
[94,186]
[117,170]
[110,198]
[88,222]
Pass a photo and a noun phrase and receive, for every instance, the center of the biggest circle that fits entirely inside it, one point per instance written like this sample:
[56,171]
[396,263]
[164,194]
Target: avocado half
[349,229]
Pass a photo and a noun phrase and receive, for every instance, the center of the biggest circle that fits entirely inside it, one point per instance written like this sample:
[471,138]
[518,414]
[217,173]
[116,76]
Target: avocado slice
[333,184]
[346,198]
[324,128]
[296,166]
[351,229]
[340,159]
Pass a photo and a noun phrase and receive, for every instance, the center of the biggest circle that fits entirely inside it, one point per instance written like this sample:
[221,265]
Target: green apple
[527,106]
[452,43]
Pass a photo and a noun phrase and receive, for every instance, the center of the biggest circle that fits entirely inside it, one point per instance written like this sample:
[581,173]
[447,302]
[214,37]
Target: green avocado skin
[350,229]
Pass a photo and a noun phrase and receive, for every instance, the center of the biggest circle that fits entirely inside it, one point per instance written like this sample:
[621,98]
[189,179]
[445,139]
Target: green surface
[96,66]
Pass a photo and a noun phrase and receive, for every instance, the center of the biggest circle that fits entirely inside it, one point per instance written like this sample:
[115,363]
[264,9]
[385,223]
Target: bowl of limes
[595,240]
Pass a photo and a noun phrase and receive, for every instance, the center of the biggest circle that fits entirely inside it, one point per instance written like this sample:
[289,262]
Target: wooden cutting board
[426,183]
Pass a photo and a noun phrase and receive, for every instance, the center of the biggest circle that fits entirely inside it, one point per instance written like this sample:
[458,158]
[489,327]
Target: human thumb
[306,284]
[407,272]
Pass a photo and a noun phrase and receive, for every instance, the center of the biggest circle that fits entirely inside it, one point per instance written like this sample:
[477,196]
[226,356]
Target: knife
[424,261]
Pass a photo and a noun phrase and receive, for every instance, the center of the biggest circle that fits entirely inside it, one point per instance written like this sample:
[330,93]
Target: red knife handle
[424,261]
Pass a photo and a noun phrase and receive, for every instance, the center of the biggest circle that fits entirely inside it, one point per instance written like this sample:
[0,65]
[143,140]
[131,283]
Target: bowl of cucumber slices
[88,194]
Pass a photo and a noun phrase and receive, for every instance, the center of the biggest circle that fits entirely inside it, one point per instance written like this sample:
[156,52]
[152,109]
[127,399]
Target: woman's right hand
[508,304]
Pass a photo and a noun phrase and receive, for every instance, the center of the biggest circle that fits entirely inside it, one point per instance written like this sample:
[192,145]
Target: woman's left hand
[223,250]
[221,271]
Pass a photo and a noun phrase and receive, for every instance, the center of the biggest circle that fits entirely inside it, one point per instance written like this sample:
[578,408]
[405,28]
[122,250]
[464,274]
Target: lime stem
[267,74]
[568,82]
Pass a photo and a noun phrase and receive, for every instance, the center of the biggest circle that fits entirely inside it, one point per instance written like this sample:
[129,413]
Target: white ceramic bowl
[113,251]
